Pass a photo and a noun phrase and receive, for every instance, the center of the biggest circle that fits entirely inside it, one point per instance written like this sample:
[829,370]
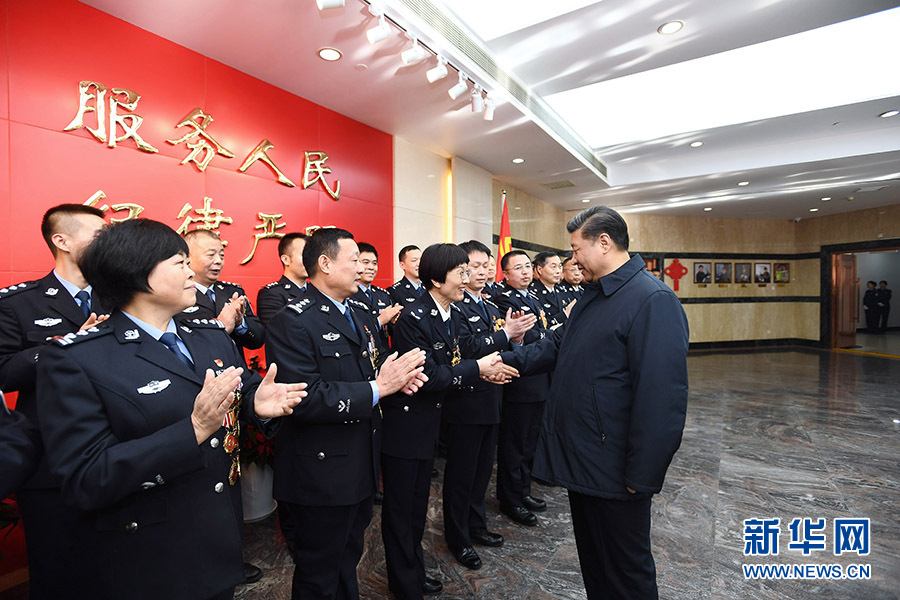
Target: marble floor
[879,343]
[790,433]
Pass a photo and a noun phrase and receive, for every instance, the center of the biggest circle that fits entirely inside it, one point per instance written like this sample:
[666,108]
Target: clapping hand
[517,323]
[277,399]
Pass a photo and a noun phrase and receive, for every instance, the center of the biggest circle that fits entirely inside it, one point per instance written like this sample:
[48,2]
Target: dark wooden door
[845,301]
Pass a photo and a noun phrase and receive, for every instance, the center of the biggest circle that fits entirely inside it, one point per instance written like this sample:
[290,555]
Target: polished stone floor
[879,343]
[778,434]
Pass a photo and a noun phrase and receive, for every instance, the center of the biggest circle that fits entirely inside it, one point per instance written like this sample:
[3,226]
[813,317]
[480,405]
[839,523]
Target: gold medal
[373,349]
[544,319]
[456,357]
[232,445]
[235,472]
[498,324]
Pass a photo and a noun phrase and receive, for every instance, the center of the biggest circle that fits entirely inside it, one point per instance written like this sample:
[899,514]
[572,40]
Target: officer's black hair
[475,246]
[566,260]
[872,282]
[119,261]
[323,241]
[597,220]
[288,239]
[438,260]
[365,247]
[882,281]
[50,224]
[404,250]
[504,262]
[541,258]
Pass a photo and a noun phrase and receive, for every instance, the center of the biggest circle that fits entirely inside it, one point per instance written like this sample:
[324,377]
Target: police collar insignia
[47,322]
[331,336]
[132,334]
[154,386]
[433,312]
[323,308]
[52,291]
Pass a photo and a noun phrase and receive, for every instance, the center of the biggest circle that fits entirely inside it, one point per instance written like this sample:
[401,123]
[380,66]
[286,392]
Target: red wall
[47,47]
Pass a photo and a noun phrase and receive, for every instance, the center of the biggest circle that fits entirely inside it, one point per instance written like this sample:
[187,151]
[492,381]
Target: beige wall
[472,202]
[530,219]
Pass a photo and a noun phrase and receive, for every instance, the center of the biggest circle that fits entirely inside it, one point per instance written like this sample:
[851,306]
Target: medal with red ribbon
[232,446]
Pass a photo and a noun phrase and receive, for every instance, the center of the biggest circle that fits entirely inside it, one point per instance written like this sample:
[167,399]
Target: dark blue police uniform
[204,308]
[404,293]
[274,296]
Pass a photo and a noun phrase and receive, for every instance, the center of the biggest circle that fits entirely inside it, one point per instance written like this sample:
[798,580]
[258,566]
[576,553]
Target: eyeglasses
[464,273]
[522,267]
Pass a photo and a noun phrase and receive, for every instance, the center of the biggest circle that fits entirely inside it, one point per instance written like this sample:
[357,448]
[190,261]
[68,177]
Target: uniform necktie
[369,294]
[211,295]
[170,341]
[84,300]
[349,317]
[484,310]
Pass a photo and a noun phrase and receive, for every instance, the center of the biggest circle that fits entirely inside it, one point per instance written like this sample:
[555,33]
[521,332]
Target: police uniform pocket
[334,349]
[133,516]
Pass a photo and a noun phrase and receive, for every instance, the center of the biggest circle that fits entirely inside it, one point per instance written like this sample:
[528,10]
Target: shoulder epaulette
[207,323]
[486,301]
[15,289]
[268,285]
[358,304]
[79,336]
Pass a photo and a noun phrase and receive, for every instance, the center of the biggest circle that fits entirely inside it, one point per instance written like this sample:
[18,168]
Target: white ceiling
[572,47]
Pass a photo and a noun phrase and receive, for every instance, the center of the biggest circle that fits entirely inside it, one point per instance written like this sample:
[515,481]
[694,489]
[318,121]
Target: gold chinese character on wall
[209,219]
[260,154]
[269,227]
[134,210]
[314,170]
[203,146]
[92,99]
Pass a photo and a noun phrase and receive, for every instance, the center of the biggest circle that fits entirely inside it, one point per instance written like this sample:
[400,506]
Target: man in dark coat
[884,305]
[276,295]
[616,409]
[217,299]
[31,315]
[326,459]
[870,306]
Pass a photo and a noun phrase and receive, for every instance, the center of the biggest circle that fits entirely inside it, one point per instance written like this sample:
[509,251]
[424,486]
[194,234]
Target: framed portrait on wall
[762,273]
[702,271]
[742,273]
[723,272]
[782,272]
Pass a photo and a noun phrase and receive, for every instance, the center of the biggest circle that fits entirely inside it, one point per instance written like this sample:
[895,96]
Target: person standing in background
[884,305]
[276,295]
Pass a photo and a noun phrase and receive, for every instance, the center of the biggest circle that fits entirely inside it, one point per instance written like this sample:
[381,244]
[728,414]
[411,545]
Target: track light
[460,88]
[437,73]
[411,55]
[326,4]
[488,109]
[379,32]
[477,100]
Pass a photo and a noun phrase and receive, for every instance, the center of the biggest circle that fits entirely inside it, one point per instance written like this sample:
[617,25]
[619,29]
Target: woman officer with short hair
[140,418]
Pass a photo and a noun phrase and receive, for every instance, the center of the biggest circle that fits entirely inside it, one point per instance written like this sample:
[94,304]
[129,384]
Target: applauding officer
[377,301]
[278,294]
[411,424]
[31,314]
[473,415]
[409,287]
[326,459]
[141,418]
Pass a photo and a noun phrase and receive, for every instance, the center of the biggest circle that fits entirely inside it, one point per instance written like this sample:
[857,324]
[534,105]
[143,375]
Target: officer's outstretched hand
[92,321]
[493,369]
[277,399]
[213,401]
[401,373]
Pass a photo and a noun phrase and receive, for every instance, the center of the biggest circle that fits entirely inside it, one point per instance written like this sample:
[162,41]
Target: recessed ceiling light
[518,161]
[587,200]
[696,144]
[707,209]
[361,67]
[743,183]
[330,54]
[826,198]
[670,27]
[814,210]
[890,113]
[518,207]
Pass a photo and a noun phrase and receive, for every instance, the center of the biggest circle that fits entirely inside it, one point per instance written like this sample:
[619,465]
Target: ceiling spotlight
[670,27]
[413,54]
[743,183]
[707,209]
[890,113]
[437,73]
[826,198]
[477,100]
[330,54]
[325,4]
[586,200]
[696,144]
[814,210]
[488,109]
[460,88]
[379,32]
[518,161]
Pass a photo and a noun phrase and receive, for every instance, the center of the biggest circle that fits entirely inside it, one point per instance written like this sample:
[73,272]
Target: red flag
[505,243]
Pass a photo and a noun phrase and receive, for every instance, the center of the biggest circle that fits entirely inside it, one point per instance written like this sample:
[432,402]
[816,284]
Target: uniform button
[373,431]
[365,353]
[131,527]
[337,354]
[214,442]
[438,405]
[320,456]
[405,409]
[220,487]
